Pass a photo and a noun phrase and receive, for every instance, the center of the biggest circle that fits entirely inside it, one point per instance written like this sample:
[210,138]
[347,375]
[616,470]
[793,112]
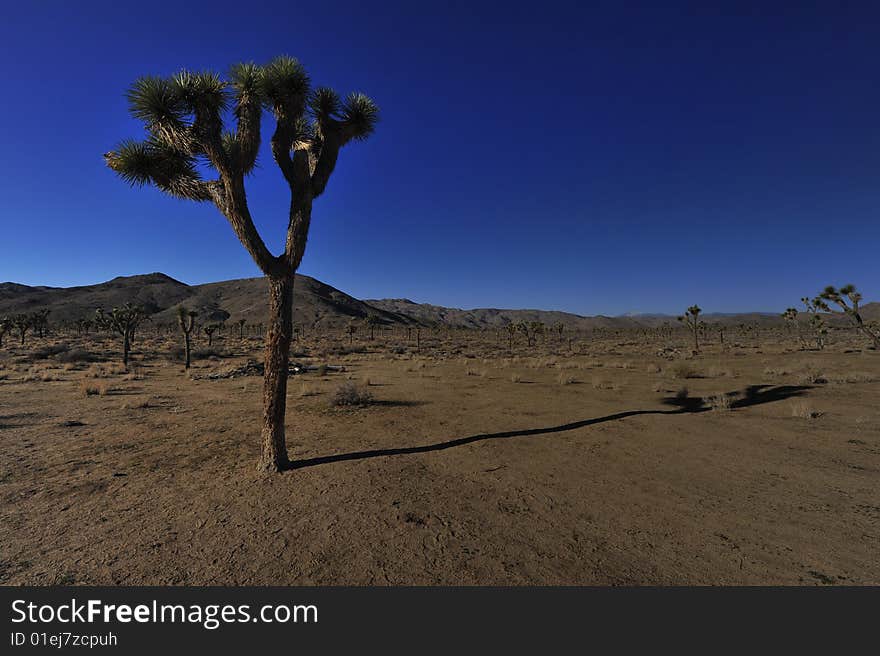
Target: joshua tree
[184,117]
[512,329]
[124,321]
[791,318]
[40,320]
[5,327]
[186,319]
[351,329]
[817,323]
[839,297]
[209,329]
[691,319]
[372,321]
[22,323]
[241,325]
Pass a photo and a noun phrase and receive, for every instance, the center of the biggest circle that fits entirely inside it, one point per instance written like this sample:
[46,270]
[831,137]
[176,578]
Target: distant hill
[315,304]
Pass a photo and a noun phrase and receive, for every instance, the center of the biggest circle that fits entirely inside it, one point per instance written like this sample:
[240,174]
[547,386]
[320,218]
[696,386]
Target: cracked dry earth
[154,482]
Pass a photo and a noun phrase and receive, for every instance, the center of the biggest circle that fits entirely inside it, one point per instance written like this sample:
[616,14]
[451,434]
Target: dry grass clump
[657,387]
[854,377]
[719,402]
[137,373]
[565,379]
[90,388]
[810,375]
[515,378]
[603,383]
[769,371]
[349,394]
[802,409]
[475,372]
[683,369]
[652,368]
[306,390]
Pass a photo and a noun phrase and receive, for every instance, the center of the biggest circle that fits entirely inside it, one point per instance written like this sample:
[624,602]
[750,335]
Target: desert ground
[609,459]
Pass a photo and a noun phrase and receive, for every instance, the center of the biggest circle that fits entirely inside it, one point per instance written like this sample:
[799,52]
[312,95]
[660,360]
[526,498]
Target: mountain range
[315,304]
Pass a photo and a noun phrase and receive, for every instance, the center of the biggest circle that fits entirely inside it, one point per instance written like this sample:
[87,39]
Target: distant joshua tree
[691,319]
[241,325]
[351,329]
[40,320]
[209,329]
[817,322]
[124,321]
[186,319]
[22,323]
[372,321]
[791,318]
[5,327]
[184,120]
[840,297]
[559,328]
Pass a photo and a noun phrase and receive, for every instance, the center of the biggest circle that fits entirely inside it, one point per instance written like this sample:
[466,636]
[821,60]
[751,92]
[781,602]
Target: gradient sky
[588,157]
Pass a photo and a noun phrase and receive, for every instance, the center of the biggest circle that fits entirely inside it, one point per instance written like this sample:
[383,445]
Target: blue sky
[588,157]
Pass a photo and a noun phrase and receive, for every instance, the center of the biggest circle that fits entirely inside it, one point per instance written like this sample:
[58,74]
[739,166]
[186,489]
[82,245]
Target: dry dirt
[473,466]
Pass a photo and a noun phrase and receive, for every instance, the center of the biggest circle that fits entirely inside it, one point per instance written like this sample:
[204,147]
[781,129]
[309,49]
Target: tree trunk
[188,348]
[126,346]
[273,455]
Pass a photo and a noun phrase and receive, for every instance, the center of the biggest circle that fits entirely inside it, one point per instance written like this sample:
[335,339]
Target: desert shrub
[802,409]
[48,351]
[602,383]
[76,356]
[349,394]
[652,368]
[810,375]
[683,369]
[565,379]
[177,354]
[657,387]
[681,393]
[89,387]
[854,377]
[717,402]
[206,353]
[515,378]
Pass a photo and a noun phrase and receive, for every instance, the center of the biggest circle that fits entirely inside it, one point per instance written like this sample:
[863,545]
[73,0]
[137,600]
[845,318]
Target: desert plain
[601,458]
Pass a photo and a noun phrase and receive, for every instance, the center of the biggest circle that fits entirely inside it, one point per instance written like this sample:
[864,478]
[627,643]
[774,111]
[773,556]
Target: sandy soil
[536,467]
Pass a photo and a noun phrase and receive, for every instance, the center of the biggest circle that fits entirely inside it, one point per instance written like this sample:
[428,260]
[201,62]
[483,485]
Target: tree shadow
[750,396]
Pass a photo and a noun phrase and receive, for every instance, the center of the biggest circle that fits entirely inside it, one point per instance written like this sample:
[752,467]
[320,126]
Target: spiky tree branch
[851,309]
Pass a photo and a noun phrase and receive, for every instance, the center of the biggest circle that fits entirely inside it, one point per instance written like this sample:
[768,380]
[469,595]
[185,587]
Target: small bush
[717,402]
[684,370]
[602,384]
[802,409]
[76,356]
[809,375]
[90,388]
[349,394]
[565,379]
[49,351]
[515,378]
